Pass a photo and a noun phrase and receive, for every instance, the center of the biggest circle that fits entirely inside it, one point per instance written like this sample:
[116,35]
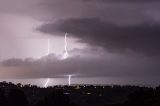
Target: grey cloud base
[115,66]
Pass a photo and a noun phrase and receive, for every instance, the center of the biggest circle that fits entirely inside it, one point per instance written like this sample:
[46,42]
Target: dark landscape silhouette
[78,95]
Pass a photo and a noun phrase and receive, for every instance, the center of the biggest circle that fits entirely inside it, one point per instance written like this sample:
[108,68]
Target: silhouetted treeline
[143,97]
[78,95]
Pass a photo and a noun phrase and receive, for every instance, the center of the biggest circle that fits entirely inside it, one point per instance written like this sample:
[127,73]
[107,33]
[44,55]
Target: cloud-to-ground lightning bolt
[48,52]
[69,79]
[65,47]
[46,84]
[65,56]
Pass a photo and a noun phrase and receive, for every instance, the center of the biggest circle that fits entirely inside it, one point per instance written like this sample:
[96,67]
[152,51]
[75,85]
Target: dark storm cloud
[119,11]
[142,38]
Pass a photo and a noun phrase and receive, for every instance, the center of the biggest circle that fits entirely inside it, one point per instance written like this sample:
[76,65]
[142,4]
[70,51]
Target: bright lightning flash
[65,47]
[69,80]
[65,56]
[48,52]
[46,84]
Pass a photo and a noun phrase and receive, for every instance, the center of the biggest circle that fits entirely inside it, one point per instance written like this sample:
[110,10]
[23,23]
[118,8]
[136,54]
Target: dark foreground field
[78,95]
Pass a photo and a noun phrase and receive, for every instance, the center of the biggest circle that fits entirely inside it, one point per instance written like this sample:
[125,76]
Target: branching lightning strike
[65,56]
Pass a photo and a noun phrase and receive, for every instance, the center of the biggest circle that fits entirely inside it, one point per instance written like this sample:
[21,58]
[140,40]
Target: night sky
[109,41]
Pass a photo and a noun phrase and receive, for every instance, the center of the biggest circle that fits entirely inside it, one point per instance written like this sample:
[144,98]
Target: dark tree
[2,98]
[17,98]
[56,98]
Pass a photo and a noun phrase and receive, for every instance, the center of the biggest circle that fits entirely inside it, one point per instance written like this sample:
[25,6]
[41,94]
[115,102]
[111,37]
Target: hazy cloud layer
[110,65]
